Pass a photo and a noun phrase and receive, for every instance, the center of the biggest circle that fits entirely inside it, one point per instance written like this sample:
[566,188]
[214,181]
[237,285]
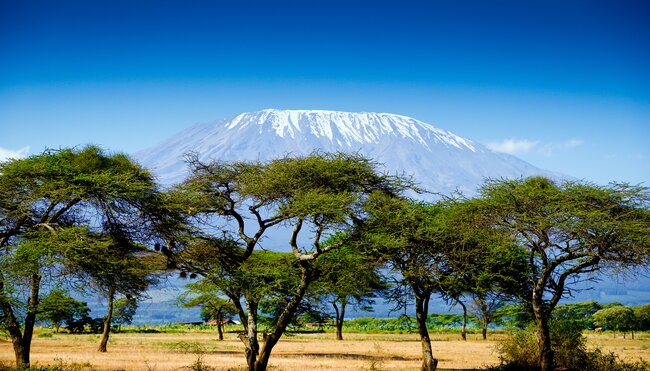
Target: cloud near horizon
[6,154]
[549,149]
[513,146]
[516,146]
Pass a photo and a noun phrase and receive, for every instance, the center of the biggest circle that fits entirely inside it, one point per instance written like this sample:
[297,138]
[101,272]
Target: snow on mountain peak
[346,128]
[440,160]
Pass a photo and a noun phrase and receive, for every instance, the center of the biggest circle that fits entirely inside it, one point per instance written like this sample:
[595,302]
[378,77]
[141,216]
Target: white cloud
[549,149]
[6,154]
[513,146]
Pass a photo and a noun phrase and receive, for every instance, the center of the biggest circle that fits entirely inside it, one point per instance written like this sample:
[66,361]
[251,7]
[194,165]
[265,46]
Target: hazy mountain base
[160,307]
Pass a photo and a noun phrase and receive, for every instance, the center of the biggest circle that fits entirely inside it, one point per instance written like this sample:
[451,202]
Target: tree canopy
[60,200]
[58,307]
[313,195]
[569,230]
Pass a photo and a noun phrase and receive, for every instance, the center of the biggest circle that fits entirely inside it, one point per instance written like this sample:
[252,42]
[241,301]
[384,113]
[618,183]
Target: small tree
[423,244]
[617,318]
[205,294]
[113,267]
[497,274]
[58,307]
[123,311]
[581,313]
[346,277]
[642,314]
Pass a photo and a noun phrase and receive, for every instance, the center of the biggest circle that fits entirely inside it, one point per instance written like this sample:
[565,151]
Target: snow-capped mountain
[438,159]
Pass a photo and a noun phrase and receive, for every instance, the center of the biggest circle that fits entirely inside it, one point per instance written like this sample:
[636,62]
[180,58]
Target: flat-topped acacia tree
[569,231]
[432,249]
[311,196]
[58,201]
[112,267]
[207,295]
[402,234]
[347,278]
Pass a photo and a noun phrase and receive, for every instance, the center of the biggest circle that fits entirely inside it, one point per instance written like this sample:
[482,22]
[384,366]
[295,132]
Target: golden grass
[176,351]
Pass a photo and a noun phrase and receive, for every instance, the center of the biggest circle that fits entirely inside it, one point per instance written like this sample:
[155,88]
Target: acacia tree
[570,231]
[45,202]
[404,234]
[642,314]
[124,310]
[581,313]
[113,267]
[616,318]
[313,195]
[495,273]
[434,248]
[346,277]
[207,295]
[58,307]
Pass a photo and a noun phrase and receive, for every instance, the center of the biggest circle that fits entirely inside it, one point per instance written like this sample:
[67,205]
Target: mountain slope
[440,160]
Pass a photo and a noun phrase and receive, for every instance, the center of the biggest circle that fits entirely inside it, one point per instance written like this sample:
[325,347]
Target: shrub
[520,351]
[85,325]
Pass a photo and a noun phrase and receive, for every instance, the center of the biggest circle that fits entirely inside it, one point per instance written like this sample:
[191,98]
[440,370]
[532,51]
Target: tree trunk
[543,340]
[463,332]
[542,312]
[219,325]
[30,318]
[485,321]
[340,315]
[284,319]
[107,321]
[251,342]
[421,311]
[21,341]
[13,327]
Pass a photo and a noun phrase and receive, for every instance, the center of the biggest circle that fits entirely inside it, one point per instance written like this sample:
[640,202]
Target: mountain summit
[438,159]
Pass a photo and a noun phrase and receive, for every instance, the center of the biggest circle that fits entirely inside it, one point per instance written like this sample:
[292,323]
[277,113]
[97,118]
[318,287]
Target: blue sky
[564,85]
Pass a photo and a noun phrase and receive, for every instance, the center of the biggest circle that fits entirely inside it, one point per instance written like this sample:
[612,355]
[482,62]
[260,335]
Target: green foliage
[105,262]
[516,316]
[344,274]
[58,207]
[374,325]
[569,228]
[406,235]
[205,294]
[58,307]
[435,320]
[642,315]
[520,351]
[322,192]
[345,277]
[123,311]
[616,318]
[581,313]
[85,325]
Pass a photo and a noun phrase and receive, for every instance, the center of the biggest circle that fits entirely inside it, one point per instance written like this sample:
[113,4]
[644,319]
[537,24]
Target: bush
[85,325]
[520,351]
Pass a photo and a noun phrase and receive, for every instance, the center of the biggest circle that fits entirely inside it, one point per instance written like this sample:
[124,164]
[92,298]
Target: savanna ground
[192,349]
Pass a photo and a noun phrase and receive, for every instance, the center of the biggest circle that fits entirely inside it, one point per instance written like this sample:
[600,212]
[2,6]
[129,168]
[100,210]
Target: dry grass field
[179,351]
